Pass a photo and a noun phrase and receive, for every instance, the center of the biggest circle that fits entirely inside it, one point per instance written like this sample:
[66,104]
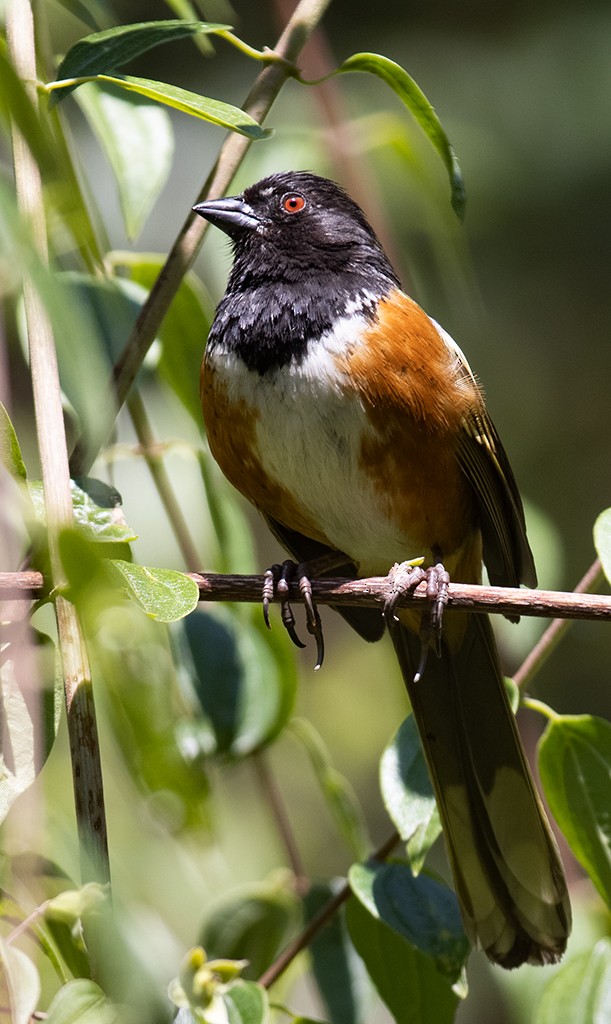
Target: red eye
[293,202]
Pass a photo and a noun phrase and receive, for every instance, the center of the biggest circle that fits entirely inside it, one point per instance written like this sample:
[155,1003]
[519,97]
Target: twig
[318,922]
[372,593]
[276,805]
[86,768]
[555,631]
[258,103]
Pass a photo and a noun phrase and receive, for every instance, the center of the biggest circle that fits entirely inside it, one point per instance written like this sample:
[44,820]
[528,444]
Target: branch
[372,593]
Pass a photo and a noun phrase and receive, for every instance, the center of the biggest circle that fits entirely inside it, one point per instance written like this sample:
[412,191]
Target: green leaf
[602,541]
[17,108]
[83,1002]
[408,794]
[406,978]
[19,984]
[10,452]
[243,682]
[97,510]
[336,789]
[339,972]
[416,102]
[422,910]
[580,991]
[138,141]
[214,111]
[575,768]
[247,1003]
[185,327]
[164,594]
[114,47]
[252,924]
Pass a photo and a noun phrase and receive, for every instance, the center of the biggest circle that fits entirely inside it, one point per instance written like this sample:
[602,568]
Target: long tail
[504,859]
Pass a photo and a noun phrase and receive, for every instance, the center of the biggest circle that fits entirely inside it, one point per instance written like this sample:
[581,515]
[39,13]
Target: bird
[352,421]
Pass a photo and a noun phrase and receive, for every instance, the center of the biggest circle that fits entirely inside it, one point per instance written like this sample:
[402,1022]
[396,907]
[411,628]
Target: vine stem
[84,748]
[258,103]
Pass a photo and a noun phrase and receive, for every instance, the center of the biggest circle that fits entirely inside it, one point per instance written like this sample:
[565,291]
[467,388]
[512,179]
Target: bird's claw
[405,577]
[277,581]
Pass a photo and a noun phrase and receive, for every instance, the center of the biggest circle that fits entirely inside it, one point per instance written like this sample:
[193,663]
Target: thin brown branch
[555,631]
[372,593]
[318,922]
[277,808]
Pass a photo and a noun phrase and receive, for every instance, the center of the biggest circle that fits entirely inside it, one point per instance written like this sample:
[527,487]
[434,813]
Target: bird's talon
[277,580]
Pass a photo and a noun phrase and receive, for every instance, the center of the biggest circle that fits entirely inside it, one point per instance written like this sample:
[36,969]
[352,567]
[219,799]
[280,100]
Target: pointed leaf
[602,540]
[580,991]
[111,49]
[164,594]
[214,111]
[138,141]
[575,767]
[416,102]
[408,794]
[10,452]
[19,985]
[422,910]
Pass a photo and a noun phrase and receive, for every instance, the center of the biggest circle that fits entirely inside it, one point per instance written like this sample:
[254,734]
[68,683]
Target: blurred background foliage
[524,93]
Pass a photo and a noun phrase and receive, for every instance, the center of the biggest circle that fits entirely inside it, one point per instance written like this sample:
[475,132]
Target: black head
[304,256]
[296,224]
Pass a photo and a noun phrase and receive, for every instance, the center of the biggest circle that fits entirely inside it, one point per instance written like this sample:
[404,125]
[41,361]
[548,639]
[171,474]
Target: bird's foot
[277,581]
[404,578]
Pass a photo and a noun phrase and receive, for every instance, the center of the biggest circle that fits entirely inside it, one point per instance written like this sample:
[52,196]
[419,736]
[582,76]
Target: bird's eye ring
[292,202]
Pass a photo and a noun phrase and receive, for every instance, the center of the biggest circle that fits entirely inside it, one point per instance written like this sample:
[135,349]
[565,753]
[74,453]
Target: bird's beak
[233,215]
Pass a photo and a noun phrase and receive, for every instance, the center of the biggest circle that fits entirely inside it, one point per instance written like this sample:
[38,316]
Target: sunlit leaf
[247,1003]
[416,102]
[10,452]
[164,594]
[408,794]
[575,768]
[138,141]
[97,510]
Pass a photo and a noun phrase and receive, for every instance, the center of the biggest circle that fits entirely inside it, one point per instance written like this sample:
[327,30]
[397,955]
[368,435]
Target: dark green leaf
[420,909]
[111,49]
[575,767]
[138,141]
[339,972]
[408,794]
[602,541]
[252,924]
[243,682]
[182,335]
[10,452]
[164,594]
[418,105]
[580,991]
[406,979]
[336,789]
[83,1002]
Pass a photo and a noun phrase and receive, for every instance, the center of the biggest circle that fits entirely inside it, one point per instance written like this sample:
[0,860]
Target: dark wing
[368,622]
[506,550]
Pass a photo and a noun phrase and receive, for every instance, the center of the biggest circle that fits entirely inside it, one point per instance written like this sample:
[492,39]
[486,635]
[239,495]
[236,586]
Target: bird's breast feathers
[344,443]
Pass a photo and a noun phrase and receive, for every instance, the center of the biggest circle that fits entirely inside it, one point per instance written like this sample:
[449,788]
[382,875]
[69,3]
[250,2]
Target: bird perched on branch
[353,422]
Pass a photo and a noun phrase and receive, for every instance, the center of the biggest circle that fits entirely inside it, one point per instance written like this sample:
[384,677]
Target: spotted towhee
[353,422]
